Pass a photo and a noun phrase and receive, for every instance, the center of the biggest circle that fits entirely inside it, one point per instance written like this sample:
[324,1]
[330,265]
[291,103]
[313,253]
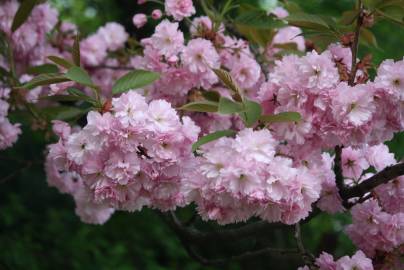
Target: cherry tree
[264,117]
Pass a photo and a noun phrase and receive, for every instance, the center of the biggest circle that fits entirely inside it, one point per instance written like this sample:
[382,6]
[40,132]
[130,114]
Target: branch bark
[382,177]
[189,238]
[339,178]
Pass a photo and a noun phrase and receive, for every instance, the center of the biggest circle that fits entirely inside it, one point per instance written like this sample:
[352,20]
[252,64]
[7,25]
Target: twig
[339,179]
[307,257]
[197,236]
[242,257]
[187,242]
[355,45]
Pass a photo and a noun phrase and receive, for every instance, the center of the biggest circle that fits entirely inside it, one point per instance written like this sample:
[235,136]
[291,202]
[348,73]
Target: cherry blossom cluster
[326,261]
[126,159]
[227,189]
[8,132]
[29,42]
[374,230]
[333,112]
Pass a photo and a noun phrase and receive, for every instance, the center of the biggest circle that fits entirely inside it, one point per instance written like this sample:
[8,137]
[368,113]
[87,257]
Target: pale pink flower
[353,105]
[319,71]
[114,35]
[167,39]
[139,20]
[353,163]
[93,50]
[379,156]
[390,75]
[246,71]
[156,14]
[200,56]
[179,8]
[358,261]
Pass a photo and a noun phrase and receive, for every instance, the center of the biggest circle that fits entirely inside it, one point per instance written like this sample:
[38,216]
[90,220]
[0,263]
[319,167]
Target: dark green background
[38,227]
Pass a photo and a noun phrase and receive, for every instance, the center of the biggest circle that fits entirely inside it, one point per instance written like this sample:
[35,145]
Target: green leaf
[371,4]
[79,75]
[349,17]
[23,13]
[252,112]
[212,137]
[389,3]
[211,95]
[228,106]
[61,98]
[258,19]
[134,80]
[200,106]
[60,61]
[76,92]
[76,51]
[368,37]
[309,21]
[45,79]
[63,112]
[281,117]
[261,37]
[45,68]
[268,5]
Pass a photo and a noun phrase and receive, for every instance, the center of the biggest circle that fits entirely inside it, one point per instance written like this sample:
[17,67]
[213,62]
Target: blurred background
[38,227]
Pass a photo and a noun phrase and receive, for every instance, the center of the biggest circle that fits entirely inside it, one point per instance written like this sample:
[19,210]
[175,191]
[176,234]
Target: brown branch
[382,177]
[241,257]
[198,237]
[187,240]
[355,45]
[339,178]
[307,257]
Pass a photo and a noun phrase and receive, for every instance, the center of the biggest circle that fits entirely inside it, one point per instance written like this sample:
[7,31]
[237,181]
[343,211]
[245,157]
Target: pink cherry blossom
[179,8]
[139,20]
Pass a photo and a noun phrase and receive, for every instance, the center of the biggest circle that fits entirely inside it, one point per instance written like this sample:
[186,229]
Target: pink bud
[156,14]
[139,20]
[141,2]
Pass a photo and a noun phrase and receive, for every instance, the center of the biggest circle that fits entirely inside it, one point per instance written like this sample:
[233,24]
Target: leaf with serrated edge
[134,80]
[79,75]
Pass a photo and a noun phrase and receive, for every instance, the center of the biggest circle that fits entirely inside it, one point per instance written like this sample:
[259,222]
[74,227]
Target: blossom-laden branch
[383,177]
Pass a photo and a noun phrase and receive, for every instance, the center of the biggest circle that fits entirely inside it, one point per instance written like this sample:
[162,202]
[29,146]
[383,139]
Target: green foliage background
[38,227]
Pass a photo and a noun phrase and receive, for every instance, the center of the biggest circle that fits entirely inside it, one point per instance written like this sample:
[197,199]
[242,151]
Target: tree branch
[307,257]
[199,237]
[187,240]
[339,179]
[376,180]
